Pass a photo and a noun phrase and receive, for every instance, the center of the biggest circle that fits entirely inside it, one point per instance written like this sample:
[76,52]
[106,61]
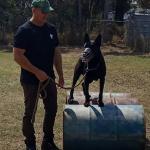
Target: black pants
[50,106]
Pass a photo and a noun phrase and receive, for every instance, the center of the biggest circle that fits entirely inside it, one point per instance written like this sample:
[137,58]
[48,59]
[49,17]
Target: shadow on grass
[145,56]
[68,49]
[121,52]
[147,144]
[7,48]
[127,53]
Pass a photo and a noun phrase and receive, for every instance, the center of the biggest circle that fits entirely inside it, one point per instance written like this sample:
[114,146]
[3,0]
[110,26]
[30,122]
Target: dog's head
[92,49]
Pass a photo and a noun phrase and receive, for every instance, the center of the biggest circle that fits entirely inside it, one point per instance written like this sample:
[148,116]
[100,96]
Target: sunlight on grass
[129,74]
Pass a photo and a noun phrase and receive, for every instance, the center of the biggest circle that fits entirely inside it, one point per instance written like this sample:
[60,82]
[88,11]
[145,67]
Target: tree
[4,19]
[144,3]
[121,7]
[72,17]
[13,13]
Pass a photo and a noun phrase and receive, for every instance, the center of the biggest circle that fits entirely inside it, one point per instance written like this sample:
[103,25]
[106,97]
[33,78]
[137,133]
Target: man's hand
[58,66]
[61,81]
[41,75]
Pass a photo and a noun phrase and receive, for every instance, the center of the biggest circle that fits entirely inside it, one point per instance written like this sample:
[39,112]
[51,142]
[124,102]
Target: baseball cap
[44,5]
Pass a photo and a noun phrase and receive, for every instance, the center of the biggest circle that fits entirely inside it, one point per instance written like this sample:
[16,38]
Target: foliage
[144,3]
[72,17]
[121,8]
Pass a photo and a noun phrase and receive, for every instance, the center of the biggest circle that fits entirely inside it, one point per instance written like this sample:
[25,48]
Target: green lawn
[125,73]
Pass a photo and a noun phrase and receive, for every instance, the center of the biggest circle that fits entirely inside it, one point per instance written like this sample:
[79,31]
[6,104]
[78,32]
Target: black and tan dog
[91,64]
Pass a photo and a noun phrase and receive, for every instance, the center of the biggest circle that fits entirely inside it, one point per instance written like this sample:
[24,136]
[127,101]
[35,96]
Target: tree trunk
[3,38]
[79,11]
[144,3]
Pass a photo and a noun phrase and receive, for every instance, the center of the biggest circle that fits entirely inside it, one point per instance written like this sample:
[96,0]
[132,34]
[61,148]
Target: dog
[92,65]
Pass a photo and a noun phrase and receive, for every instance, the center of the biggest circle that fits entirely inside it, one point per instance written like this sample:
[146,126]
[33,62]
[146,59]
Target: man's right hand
[41,75]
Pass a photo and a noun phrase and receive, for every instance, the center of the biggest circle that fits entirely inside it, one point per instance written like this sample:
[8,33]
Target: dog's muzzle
[87,55]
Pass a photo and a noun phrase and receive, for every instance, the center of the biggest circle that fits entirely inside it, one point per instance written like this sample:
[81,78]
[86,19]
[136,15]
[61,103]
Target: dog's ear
[87,41]
[98,41]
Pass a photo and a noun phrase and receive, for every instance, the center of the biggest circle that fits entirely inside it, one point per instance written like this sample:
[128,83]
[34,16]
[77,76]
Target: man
[35,51]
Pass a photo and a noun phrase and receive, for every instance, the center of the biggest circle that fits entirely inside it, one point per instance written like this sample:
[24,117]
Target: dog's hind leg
[100,101]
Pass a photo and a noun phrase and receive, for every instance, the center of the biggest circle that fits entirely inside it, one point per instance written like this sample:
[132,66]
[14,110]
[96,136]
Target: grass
[125,73]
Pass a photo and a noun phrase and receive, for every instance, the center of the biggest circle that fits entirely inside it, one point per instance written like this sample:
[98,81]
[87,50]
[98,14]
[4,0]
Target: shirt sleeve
[20,38]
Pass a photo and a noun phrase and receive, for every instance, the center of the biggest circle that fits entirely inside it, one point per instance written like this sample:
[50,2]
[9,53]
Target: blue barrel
[120,127]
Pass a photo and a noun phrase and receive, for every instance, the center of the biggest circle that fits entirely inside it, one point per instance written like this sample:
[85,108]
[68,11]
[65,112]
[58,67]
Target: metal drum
[120,127]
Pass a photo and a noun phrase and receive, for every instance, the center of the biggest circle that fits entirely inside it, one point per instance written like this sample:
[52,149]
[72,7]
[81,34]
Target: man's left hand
[61,82]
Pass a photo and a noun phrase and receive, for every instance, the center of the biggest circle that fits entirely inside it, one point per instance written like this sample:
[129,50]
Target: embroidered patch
[51,36]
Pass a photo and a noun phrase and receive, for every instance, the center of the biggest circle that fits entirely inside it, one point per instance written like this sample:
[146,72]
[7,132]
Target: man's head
[40,10]
[43,5]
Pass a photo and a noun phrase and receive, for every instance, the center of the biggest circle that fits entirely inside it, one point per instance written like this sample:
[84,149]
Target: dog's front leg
[85,86]
[76,76]
[100,101]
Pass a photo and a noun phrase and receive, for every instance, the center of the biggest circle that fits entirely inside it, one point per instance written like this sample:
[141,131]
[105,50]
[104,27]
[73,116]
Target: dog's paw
[87,103]
[88,97]
[100,104]
[70,101]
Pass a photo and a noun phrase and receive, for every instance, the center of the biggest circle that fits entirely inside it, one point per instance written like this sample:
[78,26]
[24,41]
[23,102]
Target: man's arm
[20,58]
[58,66]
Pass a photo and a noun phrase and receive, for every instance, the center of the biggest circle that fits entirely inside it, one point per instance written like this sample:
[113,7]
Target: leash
[43,85]
[93,69]
[68,88]
[41,88]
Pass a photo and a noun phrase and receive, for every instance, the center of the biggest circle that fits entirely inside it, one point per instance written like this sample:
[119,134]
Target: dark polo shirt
[39,43]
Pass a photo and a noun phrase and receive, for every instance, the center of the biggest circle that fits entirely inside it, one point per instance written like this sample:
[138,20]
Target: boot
[30,145]
[48,145]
